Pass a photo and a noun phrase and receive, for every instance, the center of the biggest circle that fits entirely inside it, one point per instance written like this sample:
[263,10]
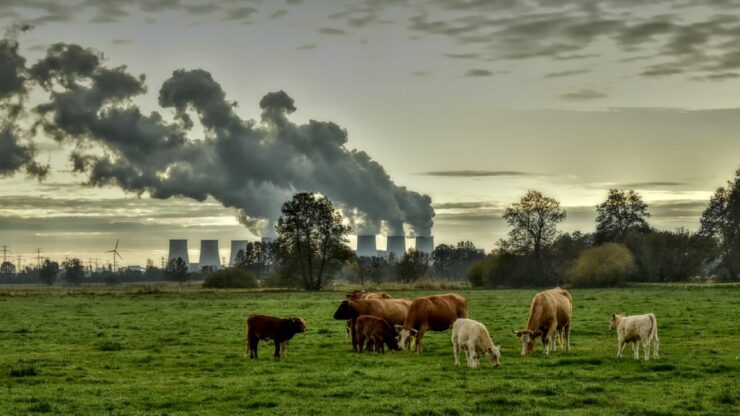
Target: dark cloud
[331,31]
[475,173]
[474,205]
[567,73]
[478,73]
[584,94]
[252,166]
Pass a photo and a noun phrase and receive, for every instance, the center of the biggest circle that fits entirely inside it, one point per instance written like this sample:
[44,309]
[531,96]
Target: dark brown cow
[392,310]
[377,330]
[358,294]
[550,315]
[431,313]
[280,330]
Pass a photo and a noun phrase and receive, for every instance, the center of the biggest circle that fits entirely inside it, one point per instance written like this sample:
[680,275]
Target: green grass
[155,353]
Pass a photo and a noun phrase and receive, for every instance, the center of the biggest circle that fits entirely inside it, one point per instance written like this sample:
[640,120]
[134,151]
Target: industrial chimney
[179,248]
[236,245]
[366,246]
[425,244]
[209,256]
[396,245]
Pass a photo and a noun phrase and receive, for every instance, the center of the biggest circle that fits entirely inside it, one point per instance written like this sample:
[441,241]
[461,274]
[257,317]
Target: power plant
[425,244]
[366,246]
[396,245]
[236,245]
[179,248]
[209,256]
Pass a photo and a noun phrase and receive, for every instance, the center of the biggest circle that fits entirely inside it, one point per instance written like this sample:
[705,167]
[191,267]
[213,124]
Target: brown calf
[280,330]
[377,330]
[361,295]
[392,310]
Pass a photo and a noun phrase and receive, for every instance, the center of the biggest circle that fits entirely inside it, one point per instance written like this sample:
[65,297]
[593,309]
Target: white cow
[473,336]
[636,328]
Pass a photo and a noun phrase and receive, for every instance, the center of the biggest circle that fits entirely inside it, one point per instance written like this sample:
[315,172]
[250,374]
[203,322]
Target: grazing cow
[550,316]
[431,313]
[377,330]
[361,295]
[392,310]
[280,330]
[636,328]
[473,336]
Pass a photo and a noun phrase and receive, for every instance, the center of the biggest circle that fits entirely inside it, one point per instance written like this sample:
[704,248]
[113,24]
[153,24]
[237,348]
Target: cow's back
[554,304]
[437,312]
[394,311]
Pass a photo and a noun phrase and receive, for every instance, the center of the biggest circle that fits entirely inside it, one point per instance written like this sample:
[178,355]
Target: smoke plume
[250,165]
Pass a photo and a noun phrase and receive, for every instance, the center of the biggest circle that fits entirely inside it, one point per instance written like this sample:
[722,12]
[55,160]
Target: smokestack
[209,254]
[179,248]
[236,245]
[396,245]
[425,244]
[366,246]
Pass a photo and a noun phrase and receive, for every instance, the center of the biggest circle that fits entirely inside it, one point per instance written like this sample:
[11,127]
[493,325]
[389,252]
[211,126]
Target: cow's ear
[397,327]
[614,315]
[517,333]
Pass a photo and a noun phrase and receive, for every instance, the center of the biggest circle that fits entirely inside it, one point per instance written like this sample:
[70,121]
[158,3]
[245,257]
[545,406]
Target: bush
[230,278]
[607,265]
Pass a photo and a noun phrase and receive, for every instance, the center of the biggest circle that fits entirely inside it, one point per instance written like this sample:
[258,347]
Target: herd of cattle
[375,320]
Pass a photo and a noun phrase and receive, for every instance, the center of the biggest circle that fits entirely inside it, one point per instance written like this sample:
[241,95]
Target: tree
[413,266]
[452,262]
[534,220]
[621,212]
[606,265]
[48,271]
[312,239]
[177,270]
[721,221]
[7,269]
[257,258]
[74,271]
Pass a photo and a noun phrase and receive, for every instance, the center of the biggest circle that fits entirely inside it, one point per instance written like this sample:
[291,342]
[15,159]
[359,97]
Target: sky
[467,102]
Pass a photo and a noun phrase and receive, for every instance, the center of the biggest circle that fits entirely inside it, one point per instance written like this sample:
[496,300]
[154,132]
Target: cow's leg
[419,336]
[277,349]
[566,332]
[473,355]
[381,347]
[620,348]
[253,343]
[456,350]
[360,341]
[635,350]
[656,346]
[348,330]
[283,348]
[646,348]
[354,335]
[549,338]
[467,354]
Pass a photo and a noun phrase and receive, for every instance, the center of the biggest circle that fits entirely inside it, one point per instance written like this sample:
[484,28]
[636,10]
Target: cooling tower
[236,245]
[179,248]
[366,246]
[209,255]
[425,244]
[396,246]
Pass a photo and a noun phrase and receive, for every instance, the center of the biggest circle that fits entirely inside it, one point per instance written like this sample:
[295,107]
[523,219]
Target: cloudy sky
[469,102]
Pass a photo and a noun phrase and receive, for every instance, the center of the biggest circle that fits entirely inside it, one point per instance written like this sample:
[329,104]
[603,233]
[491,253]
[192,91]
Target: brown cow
[358,294]
[392,310]
[280,330]
[377,330]
[550,315]
[431,313]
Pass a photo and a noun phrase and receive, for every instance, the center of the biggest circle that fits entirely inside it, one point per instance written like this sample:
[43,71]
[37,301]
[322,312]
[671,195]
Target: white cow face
[527,338]
[494,355]
[613,321]
[404,335]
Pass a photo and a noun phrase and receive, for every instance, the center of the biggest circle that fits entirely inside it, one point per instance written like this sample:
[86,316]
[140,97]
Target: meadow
[142,352]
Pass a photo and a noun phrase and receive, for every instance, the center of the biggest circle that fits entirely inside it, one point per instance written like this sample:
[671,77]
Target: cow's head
[299,325]
[404,335]
[527,338]
[493,354]
[345,311]
[614,321]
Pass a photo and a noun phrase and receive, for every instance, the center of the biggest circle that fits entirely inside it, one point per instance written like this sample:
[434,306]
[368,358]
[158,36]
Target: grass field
[173,353]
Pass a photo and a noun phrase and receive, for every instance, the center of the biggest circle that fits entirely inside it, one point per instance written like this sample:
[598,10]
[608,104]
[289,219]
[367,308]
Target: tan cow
[550,315]
[634,329]
[392,310]
[431,313]
[358,294]
[472,336]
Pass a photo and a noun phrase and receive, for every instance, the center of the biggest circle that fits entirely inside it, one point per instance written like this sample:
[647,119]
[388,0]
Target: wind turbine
[115,253]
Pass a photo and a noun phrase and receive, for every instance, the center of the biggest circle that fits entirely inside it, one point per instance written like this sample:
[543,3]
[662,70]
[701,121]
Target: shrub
[230,278]
[607,265]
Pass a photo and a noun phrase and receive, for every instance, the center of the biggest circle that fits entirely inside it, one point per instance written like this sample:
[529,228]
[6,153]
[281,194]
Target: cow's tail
[653,327]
